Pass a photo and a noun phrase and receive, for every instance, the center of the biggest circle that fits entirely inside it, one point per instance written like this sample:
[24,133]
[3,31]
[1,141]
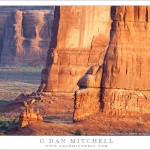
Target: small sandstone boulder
[92,78]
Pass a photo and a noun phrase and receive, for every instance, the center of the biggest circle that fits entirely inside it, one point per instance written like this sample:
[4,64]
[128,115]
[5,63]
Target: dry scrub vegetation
[17,79]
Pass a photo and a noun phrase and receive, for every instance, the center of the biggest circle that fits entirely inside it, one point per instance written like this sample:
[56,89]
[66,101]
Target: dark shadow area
[53,42]
[8,125]
[104,66]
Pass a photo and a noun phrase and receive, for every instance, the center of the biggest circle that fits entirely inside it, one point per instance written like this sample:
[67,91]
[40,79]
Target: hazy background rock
[25,34]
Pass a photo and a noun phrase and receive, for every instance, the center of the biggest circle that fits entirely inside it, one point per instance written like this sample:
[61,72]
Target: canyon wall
[25,35]
[80,39]
[3,16]
[125,76]
[100,52]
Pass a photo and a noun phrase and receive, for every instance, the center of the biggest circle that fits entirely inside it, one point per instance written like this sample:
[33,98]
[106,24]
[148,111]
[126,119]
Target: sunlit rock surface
[25,34]
[80,39]
[124,86]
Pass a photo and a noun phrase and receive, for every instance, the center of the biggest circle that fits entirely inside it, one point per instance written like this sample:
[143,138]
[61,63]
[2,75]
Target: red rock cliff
[26,37]
[124,86]
[80,39]
[126,79]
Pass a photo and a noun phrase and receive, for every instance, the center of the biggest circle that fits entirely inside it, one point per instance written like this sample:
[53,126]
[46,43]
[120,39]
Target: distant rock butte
[25,36]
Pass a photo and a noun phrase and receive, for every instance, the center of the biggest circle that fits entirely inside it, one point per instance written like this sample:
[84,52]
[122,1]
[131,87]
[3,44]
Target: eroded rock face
[92,78]
[87,98]
[29,116]
[3,16]
[124,86]
[125,81]
[26,37]
[80,39]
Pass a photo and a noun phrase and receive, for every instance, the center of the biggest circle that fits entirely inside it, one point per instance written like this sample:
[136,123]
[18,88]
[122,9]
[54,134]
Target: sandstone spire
[124,87]
[80,39]
[126,81]
[26,37]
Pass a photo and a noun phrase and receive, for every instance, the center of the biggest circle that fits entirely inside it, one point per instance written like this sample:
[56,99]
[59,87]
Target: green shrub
[8,124]
[3,118]
[15,121]
[23,65]
[79,132]
[2,133]
[5,126]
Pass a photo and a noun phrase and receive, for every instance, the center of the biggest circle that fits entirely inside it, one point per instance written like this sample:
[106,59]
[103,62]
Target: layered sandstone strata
[31,113]
[124,86]
[87,98]
[26,37]
[80,38]
[126,74]
[29,116]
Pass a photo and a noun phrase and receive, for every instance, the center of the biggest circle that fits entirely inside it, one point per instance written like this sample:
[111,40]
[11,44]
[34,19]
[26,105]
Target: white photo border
[43,142]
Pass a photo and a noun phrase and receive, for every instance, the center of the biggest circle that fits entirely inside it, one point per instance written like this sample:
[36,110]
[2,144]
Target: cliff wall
[25,35]
[102,50]
[80,39]
[3,16]
[124,83]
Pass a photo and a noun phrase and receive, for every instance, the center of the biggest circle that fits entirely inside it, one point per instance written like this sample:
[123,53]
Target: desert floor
[57,111]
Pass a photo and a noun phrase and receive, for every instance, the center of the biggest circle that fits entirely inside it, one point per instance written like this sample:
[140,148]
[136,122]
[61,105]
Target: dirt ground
[58,120]
[17,79]
[58,111]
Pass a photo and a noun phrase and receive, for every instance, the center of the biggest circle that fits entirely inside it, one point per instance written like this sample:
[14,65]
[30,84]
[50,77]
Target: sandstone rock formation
[3,16]
[29,115]
[80,39]
[126,79]
[108,61]
[124,86]
[87,98]
[25,36]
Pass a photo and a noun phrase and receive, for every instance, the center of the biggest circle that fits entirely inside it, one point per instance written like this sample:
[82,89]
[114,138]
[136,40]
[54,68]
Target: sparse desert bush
[15,79]
[15,121]
[6,125]
[139,124]
[23,65]
[119,130]
[79,132]
[2,133]
[3,118]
